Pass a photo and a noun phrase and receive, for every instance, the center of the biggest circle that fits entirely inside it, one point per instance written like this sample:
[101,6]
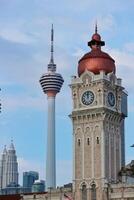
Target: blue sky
[24,54]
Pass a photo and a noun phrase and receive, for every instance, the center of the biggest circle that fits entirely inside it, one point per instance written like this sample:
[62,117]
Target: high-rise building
[99,111]
[29,178]
[51,83]
[3,167]
[38,186]
[8,167]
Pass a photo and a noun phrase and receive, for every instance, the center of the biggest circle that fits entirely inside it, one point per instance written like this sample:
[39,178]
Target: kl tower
[51,83]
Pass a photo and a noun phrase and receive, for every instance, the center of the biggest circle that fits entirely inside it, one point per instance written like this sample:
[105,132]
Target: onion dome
[96,60]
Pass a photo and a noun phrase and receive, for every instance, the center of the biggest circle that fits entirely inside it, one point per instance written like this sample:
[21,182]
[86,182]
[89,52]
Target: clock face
[111,99]
[87,97]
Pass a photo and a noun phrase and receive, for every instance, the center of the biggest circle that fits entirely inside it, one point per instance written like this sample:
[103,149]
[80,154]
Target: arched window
[97,140]
[78,142]
[93,192]
[88,141]
[84,192]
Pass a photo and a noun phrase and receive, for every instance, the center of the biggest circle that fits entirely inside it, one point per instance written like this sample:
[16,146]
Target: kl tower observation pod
[51,83]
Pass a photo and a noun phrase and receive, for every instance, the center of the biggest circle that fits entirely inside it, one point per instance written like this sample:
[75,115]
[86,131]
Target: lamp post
[50,189]
[60,193]
[107,186]
[21,197]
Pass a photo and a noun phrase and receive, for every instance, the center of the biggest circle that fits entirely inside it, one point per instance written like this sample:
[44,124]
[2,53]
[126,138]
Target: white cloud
[125,69]
[129,47]
[129,159]
[79,53]
[122,58]
[18,102]
[124,66]
[14,35]
[106,23]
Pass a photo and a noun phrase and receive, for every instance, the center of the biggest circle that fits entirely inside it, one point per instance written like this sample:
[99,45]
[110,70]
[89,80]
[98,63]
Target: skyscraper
[8,167]
[51,83]
[3,167]
[38,186]
[29,178]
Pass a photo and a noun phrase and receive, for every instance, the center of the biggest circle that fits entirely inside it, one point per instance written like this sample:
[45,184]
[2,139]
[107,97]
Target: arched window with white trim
[84,192]
[79,142]
[93,191]
[88,141]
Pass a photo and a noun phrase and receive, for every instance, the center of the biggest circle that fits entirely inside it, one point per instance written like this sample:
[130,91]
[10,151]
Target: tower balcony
[51,82]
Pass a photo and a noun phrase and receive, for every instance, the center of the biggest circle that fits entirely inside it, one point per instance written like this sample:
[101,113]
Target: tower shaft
[51,83]
[51,164]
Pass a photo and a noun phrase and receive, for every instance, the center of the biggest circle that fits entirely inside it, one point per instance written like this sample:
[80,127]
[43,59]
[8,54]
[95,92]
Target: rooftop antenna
[51,65]
[52,47]
[96,27]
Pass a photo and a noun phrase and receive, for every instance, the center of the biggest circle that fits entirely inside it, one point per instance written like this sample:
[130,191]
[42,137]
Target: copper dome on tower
[96,60]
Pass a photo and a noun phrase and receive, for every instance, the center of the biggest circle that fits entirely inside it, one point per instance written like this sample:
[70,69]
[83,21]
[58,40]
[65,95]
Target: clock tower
[99,110]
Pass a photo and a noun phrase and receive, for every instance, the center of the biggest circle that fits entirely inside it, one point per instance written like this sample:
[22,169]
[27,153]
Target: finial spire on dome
[96,28]
[51,65]
[96,39]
